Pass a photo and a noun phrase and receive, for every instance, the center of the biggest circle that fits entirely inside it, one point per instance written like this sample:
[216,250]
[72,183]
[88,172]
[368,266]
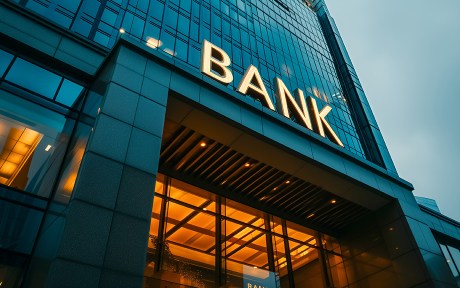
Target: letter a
[283,95]
[322,126]
[252,85]
[214,63]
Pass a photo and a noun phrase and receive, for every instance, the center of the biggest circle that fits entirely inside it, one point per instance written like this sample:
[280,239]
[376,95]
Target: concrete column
[107,226]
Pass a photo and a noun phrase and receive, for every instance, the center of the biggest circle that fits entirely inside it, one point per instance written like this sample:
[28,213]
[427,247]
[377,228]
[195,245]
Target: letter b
[214,63]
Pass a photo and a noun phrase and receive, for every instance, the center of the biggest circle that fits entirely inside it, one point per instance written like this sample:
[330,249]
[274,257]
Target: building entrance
[200,239]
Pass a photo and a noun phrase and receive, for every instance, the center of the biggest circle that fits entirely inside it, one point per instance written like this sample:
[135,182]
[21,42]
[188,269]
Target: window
[39,81]
[196,242]
[452,255]
[33,140]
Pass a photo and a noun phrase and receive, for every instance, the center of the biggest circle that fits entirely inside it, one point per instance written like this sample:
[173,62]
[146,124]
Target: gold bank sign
[215,63]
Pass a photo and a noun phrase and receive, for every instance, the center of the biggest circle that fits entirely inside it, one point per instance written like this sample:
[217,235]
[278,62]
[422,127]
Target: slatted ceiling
[225,169]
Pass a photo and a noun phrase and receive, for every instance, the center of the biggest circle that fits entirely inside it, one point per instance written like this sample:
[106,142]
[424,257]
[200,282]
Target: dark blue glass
[33,78]
[5,60]
[68,93]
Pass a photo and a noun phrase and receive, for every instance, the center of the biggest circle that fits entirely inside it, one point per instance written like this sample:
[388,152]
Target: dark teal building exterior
[124,164]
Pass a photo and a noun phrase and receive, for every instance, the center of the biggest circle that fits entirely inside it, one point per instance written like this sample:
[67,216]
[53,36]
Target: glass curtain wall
[198,239]
[452,256]
[281,38]
[42,143]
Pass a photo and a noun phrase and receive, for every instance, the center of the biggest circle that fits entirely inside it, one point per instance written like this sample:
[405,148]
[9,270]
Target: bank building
[199,143]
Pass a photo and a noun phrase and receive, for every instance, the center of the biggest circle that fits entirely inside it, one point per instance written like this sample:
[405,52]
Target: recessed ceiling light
[287,182]
[48,148]
[122,30]
[203,144]
[247,165]
[311,215]
[333,201]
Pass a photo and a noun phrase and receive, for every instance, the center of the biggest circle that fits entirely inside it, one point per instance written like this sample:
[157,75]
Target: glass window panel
[33,141]
[153,236]
[188,251]
[192,195]
[101,38]
[455,253]
[33,78]
[245,255]
[72,163]
[5,60]
[12,267]
[449,260]
[279,253]
[306,266]
[68,92]
[243,213]
[300,233]
[337,270]
[18,235]
[159,185]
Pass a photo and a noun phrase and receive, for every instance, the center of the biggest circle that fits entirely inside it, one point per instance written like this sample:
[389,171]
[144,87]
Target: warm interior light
[391,229]
[19,146]
[205,209]
[153,42]
[203,144]
[247,165]
[122,30]
[333,201]
[255,267]
[287,182]
[170,52]
[48,147]
[311,215]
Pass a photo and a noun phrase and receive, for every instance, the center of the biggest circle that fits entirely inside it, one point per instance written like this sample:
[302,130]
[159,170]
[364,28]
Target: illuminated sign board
[215,63]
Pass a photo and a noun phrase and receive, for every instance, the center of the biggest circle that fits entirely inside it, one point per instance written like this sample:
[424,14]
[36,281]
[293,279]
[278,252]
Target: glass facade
[281,38]
[199,239]
[43,135]
[452,256]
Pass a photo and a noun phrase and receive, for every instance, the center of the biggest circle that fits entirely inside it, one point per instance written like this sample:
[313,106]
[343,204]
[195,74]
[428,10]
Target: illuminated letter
[214,63]
[252,85]
[285,99]
[319,118]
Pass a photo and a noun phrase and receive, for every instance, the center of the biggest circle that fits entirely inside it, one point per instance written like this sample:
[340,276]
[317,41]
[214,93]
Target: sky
[407,56]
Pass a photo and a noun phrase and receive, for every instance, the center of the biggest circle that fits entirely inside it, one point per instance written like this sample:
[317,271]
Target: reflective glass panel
[449,260]
[187,244]
[68,92]
[245,247]
[33,78]
[306,265]
[5,60]
[33,141]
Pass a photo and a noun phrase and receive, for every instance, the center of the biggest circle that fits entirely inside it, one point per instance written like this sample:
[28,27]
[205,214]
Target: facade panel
[125,163]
